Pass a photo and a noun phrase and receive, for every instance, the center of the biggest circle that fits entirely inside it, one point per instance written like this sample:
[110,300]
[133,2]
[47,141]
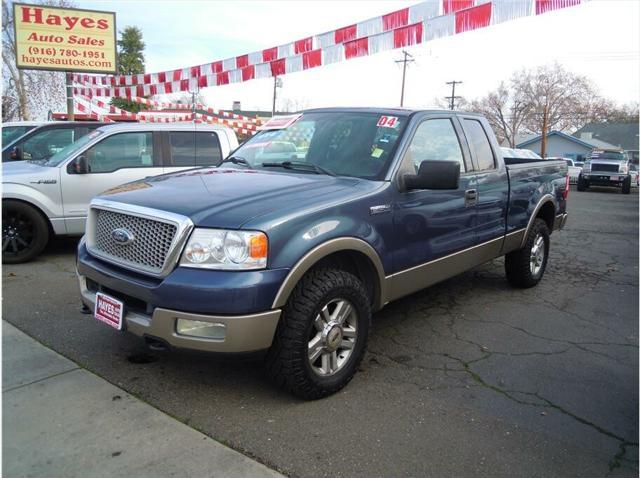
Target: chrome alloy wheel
[536,260]
[333,337]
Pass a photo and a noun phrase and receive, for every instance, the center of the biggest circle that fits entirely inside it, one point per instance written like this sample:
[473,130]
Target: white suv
[44,198]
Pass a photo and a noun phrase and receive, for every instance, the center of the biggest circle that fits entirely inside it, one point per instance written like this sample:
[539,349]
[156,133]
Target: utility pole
[193,104]
[69,87]
[277,83]
[543,140]
[452,99]
[407,59]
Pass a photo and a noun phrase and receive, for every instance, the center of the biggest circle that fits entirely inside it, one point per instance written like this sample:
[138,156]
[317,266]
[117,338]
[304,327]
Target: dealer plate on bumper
[109,310]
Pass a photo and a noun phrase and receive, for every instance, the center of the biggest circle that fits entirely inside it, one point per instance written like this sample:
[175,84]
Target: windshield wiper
[300,166]
[237,160]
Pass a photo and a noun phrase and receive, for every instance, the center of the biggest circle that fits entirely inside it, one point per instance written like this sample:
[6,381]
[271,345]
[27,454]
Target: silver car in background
[51,197]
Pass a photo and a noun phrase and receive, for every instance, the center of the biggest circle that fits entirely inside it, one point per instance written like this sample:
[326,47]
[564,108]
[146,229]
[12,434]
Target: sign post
[65,39]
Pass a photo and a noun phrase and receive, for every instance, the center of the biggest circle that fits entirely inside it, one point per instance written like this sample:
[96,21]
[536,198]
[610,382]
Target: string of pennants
[240,124]
[423,22]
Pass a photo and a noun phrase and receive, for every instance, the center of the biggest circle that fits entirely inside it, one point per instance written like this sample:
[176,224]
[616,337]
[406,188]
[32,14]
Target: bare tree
[559,99]
[506,112]
[30,94]
[293,104]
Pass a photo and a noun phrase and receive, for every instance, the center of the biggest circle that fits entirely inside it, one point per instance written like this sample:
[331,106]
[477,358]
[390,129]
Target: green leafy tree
[130,62]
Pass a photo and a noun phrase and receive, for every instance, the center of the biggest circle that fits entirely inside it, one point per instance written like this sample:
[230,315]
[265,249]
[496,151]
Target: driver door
[430,224]
[116,160]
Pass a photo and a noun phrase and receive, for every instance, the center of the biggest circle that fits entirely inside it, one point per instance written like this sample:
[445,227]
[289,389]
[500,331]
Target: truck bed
[529,181]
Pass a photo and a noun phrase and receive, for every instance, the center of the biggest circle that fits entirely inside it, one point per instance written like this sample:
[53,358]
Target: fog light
[197,328]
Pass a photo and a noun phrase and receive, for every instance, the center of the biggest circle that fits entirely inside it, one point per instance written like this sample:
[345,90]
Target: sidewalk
[59,420]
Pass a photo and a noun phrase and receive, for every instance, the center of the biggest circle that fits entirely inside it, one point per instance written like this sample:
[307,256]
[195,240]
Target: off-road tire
[517,264]
[287,361]
[582,184]
[32,227]
[626,186]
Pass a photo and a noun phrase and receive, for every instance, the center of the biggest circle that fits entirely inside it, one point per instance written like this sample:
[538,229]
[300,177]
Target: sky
[599,39]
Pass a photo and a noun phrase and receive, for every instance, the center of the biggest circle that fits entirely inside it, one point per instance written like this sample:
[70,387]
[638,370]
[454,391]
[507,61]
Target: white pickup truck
[45,198]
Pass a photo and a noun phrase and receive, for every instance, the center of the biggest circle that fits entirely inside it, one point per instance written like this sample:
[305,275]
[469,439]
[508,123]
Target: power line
[452,99]
[404,62]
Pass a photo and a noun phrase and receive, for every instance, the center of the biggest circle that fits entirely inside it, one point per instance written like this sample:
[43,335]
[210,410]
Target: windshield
[343,143]
[569,162]
[618,156]
[10,133]
[70,149]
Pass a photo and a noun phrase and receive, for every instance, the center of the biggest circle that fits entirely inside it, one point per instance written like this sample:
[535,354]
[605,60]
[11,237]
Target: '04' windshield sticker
[387,122]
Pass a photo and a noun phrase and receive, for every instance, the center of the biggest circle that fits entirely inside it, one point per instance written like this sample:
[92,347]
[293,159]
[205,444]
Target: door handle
[471,197]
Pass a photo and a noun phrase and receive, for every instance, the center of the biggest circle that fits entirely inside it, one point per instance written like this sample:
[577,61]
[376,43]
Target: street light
[277,83]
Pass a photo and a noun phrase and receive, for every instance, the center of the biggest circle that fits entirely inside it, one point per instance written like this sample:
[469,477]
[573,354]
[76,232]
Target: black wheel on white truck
[25,232]
[626,185]
[582,184]
[322,334]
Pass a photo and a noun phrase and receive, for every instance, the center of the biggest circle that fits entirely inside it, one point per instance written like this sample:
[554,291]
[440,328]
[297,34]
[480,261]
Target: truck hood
[228,198]
[24,172]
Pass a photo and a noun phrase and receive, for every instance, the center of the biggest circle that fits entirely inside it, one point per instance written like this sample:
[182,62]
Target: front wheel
[25,232]
[626,186]
[582,184]
[322,334]
[525,267]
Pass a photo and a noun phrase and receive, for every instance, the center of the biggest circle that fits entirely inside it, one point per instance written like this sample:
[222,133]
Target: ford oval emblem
[122,236]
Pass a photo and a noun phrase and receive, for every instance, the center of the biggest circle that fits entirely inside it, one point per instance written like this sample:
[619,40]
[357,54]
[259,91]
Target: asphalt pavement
[469,377]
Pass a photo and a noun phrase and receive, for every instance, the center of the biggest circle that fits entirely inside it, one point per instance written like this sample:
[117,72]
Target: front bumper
[238,302]
[602,178]
[243,333]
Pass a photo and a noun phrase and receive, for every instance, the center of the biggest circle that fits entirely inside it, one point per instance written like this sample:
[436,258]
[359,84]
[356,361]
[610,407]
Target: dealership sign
[66,39]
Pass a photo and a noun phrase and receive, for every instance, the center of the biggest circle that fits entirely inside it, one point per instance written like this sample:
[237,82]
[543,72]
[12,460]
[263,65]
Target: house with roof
[563,145]
[622,135]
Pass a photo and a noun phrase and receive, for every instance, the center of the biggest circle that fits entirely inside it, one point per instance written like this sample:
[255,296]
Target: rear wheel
[525,267]
[25,232]
[626,186]
[582,184]
[322,334]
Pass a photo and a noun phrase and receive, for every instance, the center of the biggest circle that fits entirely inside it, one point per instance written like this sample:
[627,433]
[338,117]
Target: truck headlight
[225,250]
[586,167]
[623,168]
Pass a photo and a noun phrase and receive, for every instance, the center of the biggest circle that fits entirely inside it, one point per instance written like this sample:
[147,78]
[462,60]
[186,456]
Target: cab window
[208,151]
[182,148]
[124,150]
[435,140]
[479,142]
[46,143]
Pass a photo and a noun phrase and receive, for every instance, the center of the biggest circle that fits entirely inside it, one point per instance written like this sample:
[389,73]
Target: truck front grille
[147,252]
[609,168]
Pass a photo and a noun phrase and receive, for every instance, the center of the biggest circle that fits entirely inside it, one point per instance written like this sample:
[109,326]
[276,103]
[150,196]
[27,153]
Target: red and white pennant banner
[423,22]
[165,105]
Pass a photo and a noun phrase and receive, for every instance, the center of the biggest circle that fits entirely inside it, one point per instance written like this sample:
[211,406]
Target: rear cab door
[186,149]
[116,159]
[491,179]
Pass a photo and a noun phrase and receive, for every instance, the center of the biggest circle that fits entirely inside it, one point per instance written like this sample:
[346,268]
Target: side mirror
[434,175]
[80,165]
[16,154]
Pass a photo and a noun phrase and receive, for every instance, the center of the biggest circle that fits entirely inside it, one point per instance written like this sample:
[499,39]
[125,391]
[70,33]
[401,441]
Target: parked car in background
[13,130]
[292,256]
[52,197]
[606,167]
[574,170]
[635,177]
[516,153]
[44,141]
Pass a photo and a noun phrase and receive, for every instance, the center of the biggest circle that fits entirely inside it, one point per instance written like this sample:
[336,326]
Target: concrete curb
[61,420]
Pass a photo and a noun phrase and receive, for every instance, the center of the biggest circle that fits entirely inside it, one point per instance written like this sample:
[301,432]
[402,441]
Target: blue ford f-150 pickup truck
[291,252]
